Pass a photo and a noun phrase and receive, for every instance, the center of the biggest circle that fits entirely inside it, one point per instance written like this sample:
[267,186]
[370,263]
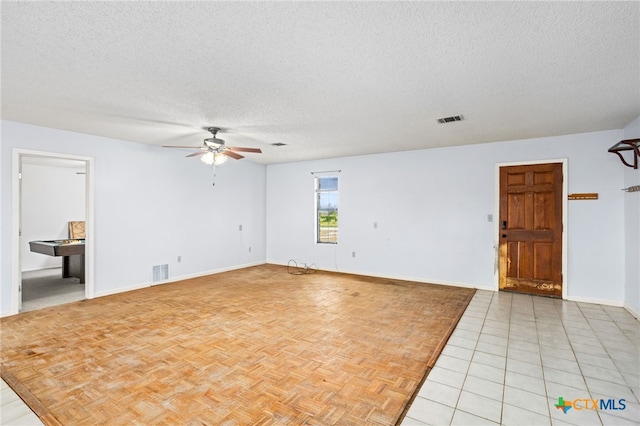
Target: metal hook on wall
[635,188]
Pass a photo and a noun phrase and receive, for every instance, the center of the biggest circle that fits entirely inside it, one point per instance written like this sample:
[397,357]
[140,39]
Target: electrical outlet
[179,259]
[375,225]
[249,249]
[240,228]
[353,254]
[489,218]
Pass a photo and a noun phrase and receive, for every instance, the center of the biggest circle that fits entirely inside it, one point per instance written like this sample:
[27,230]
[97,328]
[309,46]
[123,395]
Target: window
[327,209]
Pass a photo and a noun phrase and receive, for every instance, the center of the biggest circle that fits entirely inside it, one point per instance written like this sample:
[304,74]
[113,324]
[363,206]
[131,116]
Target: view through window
[327,209]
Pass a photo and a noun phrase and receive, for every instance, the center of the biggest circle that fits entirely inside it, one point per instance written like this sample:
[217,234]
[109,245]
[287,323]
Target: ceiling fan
[214,151]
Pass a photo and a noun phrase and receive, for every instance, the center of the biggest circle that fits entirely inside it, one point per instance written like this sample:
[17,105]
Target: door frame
[16,201]
[565,227]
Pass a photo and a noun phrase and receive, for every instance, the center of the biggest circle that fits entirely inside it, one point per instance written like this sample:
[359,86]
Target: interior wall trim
[16,273]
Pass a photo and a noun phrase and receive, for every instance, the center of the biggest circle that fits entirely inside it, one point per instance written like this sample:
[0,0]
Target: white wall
[632,227]
[52,195]
[151,205]
[3,235]
[431,208]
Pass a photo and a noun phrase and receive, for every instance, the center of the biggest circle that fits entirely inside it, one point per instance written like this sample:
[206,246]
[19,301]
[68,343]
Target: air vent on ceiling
[450,119]
[279,144]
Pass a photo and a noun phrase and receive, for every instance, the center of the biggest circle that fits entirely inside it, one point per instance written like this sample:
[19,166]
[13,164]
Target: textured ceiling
[328,79]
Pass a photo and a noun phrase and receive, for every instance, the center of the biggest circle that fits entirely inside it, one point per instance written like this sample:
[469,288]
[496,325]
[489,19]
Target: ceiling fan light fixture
[214,150]
[220,159]
[209,158]
[213,142]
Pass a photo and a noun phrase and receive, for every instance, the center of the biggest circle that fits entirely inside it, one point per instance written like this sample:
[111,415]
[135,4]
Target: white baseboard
[205,273]
[596,301]
[606,302]
[175,279]
[120,290]
[632,311]
[404,278]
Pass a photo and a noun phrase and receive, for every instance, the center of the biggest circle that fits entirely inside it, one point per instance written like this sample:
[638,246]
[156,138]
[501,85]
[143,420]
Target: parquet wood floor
[254,346]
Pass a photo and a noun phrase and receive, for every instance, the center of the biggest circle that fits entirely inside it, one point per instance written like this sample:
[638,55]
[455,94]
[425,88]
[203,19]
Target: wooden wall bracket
[627,145]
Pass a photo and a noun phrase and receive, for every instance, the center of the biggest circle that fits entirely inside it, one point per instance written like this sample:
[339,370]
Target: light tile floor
[13,411]
[512,356]
[508,361]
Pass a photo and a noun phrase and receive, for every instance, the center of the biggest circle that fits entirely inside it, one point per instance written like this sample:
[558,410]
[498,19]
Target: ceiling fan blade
[232,154]
[182,146]
[195,154]
[237,148]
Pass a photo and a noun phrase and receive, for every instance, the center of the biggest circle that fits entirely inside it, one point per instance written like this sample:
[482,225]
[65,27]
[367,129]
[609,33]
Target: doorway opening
[531,236]
[52,260]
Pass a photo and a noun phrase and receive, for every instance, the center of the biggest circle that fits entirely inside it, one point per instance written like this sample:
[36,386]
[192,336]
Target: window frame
[317,209]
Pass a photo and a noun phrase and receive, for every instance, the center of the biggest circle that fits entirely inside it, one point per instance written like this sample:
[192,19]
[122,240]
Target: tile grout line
[506,358]
[484,319]
[610,319]
[578,362]
[552,341]
[542,363]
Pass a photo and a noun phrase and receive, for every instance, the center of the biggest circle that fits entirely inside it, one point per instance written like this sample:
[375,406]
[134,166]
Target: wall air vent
[160,272]
[450,119]
[279,144]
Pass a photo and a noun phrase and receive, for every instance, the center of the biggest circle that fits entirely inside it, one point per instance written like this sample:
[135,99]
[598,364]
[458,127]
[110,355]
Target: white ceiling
[328,79]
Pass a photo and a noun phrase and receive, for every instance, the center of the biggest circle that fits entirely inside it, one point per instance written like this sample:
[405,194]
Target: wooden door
[531,229]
